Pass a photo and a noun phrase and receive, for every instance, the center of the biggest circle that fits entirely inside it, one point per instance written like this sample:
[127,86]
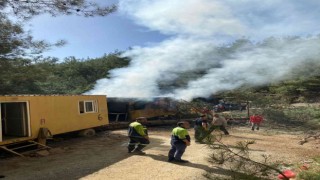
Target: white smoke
[204,36]
[270,62]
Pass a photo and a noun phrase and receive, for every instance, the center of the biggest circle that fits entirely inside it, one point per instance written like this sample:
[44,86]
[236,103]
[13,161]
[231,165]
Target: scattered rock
[56,150]
[43,153]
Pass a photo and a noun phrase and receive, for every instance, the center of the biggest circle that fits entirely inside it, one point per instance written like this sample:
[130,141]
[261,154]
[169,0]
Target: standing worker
[221,122]
[200,128]
[138,136]
[180,139]
[255,120]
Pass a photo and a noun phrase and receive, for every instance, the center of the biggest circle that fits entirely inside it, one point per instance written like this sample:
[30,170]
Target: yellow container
[23,115]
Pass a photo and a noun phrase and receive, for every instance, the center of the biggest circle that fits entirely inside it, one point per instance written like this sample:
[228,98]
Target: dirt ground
[105,156]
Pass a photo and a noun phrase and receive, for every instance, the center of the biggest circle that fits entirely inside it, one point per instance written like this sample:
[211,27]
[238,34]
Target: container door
[1,123]
[15,119]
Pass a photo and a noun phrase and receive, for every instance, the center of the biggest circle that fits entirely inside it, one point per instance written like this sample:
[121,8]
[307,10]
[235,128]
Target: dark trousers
[177,150]
[199,133]
[253,125]
[137,143]
[222,128]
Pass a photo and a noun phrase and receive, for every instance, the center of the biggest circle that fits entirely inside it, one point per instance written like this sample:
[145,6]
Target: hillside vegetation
[49,76]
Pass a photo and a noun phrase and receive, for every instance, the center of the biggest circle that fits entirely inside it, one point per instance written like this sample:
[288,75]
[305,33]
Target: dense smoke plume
[232,44]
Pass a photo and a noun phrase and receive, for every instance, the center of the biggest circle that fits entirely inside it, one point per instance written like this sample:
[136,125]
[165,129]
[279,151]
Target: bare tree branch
[26,9]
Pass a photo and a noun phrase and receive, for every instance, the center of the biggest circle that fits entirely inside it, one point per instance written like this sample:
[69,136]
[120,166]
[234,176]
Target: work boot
[170,159]
[138,152]
[181,161]
[131,149]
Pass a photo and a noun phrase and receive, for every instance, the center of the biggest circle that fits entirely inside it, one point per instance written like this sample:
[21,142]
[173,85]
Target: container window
[87,107]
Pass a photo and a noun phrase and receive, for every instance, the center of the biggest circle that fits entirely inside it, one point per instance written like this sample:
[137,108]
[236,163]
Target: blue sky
[91,37]
[147,22]
[170,37]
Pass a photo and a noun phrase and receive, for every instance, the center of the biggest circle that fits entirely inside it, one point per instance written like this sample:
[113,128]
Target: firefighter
[138,136]
[180,139]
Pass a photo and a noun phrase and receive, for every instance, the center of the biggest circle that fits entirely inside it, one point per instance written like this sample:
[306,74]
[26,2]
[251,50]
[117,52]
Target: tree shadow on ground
[206,168]
[70,158]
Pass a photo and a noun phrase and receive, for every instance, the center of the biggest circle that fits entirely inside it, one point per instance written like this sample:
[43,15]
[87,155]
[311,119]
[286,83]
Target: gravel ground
[105,156]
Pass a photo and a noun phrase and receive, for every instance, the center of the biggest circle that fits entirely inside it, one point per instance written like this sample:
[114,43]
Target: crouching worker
[180,139]
[138,136]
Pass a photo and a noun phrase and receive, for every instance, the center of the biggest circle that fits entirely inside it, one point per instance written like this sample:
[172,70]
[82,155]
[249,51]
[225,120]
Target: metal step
[23,147]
